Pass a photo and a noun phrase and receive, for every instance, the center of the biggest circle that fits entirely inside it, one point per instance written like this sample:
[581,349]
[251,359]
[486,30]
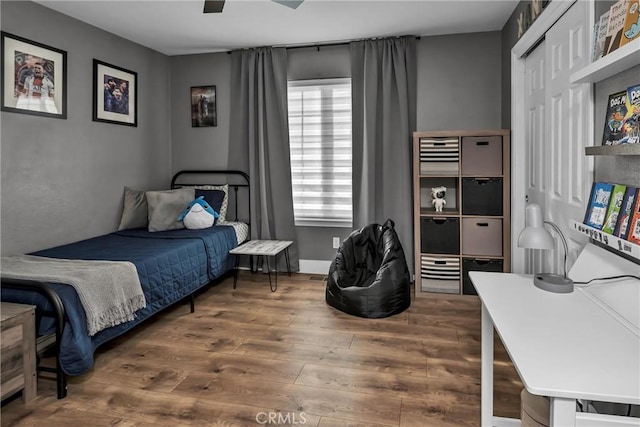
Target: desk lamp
[535,236]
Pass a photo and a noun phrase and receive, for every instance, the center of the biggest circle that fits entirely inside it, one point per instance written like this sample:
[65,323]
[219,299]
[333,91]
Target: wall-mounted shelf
[619,60]
[622,246]
[613,150]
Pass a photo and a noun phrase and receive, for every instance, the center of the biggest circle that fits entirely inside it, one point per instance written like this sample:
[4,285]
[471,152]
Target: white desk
[565,346]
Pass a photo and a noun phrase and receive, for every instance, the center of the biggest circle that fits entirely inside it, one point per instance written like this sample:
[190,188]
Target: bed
[172,265]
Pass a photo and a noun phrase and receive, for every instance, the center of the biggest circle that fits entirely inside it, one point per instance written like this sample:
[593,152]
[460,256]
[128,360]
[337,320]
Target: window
[320,142]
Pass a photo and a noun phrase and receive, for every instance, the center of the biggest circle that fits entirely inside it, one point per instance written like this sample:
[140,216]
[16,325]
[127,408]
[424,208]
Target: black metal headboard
[238,181]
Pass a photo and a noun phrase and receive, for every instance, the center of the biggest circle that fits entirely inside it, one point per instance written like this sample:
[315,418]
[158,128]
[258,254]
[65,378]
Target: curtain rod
[319,45]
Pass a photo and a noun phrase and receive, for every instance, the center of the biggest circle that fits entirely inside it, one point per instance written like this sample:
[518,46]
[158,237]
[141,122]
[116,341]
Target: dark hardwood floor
[250,357]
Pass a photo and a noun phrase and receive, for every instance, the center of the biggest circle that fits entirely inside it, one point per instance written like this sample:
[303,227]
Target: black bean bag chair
[369,275]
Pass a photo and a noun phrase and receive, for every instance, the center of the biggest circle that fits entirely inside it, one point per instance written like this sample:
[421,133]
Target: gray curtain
[259,142]
[383,78]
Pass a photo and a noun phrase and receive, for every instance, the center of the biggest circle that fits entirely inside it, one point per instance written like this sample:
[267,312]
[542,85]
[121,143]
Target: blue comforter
[171,265]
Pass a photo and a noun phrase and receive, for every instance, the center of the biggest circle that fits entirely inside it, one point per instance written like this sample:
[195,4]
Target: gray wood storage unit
[475,225]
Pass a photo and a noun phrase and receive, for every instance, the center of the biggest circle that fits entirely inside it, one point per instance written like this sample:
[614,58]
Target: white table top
[563,345]
[261,247]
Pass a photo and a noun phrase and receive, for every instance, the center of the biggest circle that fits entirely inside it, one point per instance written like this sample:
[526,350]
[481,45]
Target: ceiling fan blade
[293,4]
[213,6]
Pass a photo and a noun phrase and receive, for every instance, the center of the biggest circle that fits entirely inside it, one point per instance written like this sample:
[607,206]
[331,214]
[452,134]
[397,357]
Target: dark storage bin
[482,196]
[440,235]
[481,155]
[477,264]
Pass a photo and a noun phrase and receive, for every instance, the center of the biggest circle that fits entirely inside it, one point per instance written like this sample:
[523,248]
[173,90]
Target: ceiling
[179,27]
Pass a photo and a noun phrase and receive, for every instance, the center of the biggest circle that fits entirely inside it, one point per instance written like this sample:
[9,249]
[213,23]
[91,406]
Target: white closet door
[567,170]
[536,138]
[558,174]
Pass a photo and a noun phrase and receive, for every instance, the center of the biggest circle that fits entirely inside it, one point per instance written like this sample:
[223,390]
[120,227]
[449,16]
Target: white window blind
[320,142]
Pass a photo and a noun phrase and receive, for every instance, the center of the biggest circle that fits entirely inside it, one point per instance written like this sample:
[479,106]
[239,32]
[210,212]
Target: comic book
[631,125]
[631,28]
[614,119]
[598,204]
[617,15]
[626,210]
[600,48]
[634,224]
[615,202]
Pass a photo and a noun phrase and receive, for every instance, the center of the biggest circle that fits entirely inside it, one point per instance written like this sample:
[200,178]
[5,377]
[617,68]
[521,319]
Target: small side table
[266,248]
[18,342]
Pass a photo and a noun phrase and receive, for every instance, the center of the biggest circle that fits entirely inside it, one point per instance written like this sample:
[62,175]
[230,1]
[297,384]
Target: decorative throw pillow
[215,198]
[166,206]
[135,211]
[225,202]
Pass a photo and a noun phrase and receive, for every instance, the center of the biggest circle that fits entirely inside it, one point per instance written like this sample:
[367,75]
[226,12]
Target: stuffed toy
[199,214]
[437,197]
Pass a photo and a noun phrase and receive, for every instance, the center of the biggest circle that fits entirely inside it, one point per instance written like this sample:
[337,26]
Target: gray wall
[59,167]
[62,180]
[459,82]
[192,147]
[459,87]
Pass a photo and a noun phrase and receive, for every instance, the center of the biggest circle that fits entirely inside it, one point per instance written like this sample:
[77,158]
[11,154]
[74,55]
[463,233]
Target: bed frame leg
[192,302]
[61,383]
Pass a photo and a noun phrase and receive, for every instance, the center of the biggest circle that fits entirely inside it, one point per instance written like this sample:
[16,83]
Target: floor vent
[319,278]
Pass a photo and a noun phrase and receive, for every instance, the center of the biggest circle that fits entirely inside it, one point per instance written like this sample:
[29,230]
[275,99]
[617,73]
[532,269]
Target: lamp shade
[534,235]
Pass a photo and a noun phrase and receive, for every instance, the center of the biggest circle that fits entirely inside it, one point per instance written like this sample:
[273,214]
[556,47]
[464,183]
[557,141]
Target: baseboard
[314,266]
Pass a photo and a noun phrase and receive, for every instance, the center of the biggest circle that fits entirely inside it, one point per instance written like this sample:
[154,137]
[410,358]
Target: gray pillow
[166,206]
[135,211]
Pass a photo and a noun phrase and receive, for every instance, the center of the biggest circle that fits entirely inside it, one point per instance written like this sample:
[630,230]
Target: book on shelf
[594,46]
[602,25]
[598,204]
[617,15]
[631,28]
[626,210]
[614,119]
[634,223]
[615,202]
[631,125]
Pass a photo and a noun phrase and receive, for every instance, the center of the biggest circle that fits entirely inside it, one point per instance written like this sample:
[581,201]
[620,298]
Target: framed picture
[34,78]
[115,94]
[203,106]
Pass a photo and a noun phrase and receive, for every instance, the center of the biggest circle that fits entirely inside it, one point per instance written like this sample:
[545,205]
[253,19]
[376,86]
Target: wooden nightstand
[18,349]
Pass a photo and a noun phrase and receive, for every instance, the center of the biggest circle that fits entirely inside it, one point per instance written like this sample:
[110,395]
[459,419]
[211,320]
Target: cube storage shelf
[472,233]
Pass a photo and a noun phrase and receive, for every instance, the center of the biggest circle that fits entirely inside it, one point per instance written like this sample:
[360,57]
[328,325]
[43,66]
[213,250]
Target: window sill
[325,224]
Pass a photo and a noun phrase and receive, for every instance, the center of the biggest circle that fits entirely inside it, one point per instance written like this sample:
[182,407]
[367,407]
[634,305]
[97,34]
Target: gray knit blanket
[110,291]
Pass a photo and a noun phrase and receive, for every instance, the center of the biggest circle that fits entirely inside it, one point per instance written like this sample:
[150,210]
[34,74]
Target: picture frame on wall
[115,94]
[34,77]
[203,106]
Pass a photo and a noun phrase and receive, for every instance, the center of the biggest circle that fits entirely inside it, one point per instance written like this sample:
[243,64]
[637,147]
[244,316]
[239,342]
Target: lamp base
[553,283]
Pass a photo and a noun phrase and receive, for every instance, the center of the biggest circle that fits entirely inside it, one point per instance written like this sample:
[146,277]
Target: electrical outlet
[336,242]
